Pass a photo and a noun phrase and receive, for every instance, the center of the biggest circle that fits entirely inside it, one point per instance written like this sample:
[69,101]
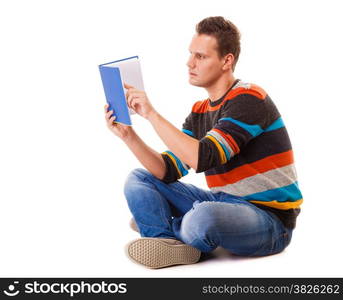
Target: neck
[218,89]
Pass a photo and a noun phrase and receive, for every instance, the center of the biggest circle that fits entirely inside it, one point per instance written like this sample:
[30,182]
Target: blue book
[113,76]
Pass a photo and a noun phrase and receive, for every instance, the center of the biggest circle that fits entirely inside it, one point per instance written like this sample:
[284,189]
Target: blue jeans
[202,219]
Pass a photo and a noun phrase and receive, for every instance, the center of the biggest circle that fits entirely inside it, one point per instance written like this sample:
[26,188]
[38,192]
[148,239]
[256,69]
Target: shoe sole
[155,254]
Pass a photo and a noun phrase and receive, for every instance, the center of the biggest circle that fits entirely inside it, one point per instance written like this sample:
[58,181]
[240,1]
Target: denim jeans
[202,219]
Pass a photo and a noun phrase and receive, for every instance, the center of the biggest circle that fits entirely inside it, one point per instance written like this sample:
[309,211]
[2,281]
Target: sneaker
[133,225]
[161,252]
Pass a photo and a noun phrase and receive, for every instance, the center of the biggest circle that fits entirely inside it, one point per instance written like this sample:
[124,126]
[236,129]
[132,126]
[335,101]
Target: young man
[237,137]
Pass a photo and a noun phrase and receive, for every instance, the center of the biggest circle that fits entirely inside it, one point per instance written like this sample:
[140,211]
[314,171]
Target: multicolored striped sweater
[244,150]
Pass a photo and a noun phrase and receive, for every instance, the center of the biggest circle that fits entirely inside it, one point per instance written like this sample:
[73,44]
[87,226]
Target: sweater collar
[217,102]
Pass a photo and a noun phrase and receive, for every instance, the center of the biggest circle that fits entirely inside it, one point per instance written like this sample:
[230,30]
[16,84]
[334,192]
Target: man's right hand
[120,130]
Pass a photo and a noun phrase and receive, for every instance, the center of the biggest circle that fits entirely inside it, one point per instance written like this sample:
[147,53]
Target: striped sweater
[244,150]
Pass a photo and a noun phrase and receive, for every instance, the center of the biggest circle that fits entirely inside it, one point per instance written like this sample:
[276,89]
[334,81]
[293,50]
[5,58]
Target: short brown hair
[226,34]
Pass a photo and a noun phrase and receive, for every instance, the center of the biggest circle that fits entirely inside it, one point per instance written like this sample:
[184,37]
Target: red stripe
[230,140]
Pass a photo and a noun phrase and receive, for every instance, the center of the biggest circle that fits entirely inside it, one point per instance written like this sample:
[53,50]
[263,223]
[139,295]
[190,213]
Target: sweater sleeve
[175,168]
[242,119]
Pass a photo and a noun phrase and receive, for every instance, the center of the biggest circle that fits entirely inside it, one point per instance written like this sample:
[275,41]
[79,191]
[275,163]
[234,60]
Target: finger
[106,107]
[111,124]
[134,103]
[127,86]
[127,94]
[130,101]
[132,96]
[135,93]
[109,114]
[111,120]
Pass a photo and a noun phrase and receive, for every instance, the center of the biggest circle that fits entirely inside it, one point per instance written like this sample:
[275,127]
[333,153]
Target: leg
[154,203]
[236,225]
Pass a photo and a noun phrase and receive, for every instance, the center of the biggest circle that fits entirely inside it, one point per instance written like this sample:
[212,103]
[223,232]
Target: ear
[228,60]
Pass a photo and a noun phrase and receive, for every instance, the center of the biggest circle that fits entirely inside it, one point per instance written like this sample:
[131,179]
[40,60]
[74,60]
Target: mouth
[192,74]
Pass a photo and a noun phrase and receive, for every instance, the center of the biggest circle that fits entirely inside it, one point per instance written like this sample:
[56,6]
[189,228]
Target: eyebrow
[201,53]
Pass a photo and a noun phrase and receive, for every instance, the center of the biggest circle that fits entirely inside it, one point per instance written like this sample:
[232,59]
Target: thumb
[127,86]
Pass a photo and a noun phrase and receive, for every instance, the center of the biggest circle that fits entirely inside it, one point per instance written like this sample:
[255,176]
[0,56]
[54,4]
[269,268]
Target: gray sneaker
[159,253]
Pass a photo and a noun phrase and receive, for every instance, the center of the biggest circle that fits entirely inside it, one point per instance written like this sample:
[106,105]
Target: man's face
[204,64]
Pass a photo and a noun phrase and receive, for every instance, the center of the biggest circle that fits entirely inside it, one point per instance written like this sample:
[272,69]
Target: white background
[62,208]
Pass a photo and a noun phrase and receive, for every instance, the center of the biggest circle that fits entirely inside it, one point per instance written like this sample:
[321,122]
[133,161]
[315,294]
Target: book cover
[114,75]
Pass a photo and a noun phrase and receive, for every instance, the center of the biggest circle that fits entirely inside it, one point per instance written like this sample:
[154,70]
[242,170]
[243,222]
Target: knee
[199,227]
[201,220]
[212,218]
[133,187]
[135,176]
[138,173]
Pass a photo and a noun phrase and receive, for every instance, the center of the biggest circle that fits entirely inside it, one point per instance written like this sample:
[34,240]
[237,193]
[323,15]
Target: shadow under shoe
[158,253]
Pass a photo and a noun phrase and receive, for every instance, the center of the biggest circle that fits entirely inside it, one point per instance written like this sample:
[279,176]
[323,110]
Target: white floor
[308,255]
[95,248]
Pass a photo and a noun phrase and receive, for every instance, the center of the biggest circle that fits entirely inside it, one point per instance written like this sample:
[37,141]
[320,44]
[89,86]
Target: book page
[130,72]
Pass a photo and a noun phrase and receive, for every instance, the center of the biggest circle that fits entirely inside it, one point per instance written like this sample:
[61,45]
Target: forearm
[183,146]
[147,156]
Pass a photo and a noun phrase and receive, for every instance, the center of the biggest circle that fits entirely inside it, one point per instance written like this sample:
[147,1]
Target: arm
[182,145]
[148,157]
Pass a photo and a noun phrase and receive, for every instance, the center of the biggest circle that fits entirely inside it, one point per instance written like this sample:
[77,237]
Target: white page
[130,72]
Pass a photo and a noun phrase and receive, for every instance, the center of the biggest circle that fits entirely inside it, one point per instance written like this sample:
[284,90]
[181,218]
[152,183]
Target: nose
[190,63]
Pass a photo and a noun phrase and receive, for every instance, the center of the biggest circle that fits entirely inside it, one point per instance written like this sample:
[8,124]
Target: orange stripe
[254,90]
[230,140]
[200,107]
[280,205]
[174,162]
[260,90]
[214,108]
[222,155]
[203,106]
[232,94]
[260,166]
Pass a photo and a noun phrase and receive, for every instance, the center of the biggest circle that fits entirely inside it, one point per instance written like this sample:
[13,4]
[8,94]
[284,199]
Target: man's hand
[120,130]
[138,101]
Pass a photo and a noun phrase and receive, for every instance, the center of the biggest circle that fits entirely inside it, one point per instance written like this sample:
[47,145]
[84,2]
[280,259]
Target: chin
[194,82]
